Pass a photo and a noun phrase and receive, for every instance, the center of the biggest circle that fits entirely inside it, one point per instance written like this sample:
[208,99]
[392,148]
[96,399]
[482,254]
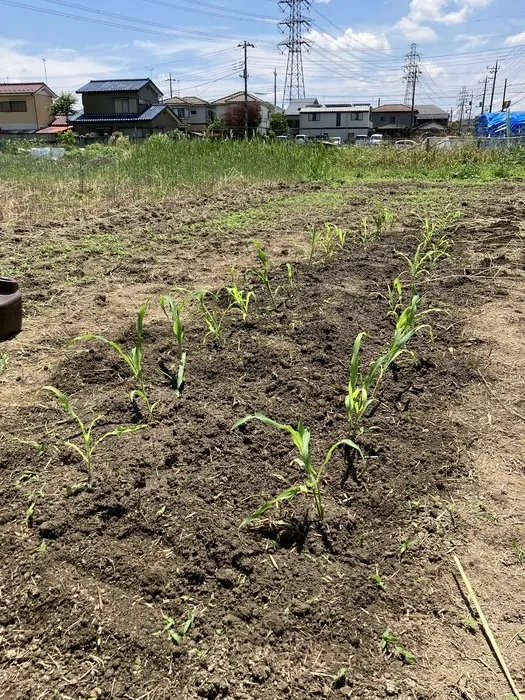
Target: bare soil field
[95,584]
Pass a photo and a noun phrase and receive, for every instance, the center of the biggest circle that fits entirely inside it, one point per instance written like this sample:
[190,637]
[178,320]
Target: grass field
[103,177]
[125,573]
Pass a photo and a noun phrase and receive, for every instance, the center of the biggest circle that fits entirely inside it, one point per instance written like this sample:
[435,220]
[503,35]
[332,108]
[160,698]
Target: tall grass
[90,181]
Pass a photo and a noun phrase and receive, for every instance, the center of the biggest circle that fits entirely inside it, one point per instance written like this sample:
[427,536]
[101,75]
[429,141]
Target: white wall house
[222,105]
[345,122]
[193,111]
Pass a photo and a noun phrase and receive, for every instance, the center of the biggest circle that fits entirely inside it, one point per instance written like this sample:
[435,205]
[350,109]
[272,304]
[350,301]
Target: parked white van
[376,139]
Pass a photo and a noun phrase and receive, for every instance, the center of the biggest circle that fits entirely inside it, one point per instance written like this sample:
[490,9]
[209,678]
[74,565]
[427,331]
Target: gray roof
[296,106]
[322,109]
[431,111]
[125,85]
[151,113]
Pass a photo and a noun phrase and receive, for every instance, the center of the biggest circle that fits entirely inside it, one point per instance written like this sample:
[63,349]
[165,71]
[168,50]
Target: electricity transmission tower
[412,76]
[295,25]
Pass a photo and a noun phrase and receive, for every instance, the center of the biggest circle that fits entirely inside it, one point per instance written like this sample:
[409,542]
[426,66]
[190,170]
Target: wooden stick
[487,630]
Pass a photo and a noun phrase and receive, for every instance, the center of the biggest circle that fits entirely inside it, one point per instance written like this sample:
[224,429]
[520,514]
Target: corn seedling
[289,272]
[391,647]
[315,238]
[3,362]
[133,359]
[262,273]
[170,630]
[377,580]
[301,441]
[367,235]
[395,298]
[382,218]
[89,443]
[212,315]
[240,300]
[520,551]
[362,387]
[360,391]
[173,313]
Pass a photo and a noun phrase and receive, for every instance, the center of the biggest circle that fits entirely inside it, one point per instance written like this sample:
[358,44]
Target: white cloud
[470,41]
[357,41]
[448,12]
[515,39]
[67,69]
[414,31]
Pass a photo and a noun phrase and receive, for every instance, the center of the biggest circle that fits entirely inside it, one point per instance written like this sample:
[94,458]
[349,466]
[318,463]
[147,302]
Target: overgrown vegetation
[31,188]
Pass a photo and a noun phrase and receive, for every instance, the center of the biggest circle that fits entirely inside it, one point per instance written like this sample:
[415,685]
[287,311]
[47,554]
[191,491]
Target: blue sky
[356,55]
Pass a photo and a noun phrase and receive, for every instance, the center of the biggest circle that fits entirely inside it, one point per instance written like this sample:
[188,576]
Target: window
[338,119]
[211,114]
[392,120]
[194,111]
[314,117]
[182,112]
[125,105]
[13,106]
[382,119]
[357,116]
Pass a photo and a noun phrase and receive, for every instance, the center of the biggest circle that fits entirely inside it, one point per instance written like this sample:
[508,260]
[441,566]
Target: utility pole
[484,95]
[504,96]
[275,87]
[171,87]
[45,70]
[462,101]
[470,110]
[412,76]
[295,24]
[245,46]
[494,70]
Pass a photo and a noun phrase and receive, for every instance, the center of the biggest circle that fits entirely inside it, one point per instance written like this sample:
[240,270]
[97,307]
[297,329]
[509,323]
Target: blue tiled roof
[116,85]
[151,113]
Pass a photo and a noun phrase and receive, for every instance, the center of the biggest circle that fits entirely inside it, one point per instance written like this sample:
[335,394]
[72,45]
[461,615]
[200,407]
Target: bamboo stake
[487,630]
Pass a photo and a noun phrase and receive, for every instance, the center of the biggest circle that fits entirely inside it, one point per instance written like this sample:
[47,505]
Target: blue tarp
[494,124]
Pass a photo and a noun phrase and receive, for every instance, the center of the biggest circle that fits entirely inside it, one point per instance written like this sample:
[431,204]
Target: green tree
[67,140]
[63,104]
[278,123]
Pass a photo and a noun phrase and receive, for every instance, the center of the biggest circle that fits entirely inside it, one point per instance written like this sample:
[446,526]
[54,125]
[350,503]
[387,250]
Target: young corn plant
[367,235]
[362,387]
[262,273]
[240,300]
[382,218]
[212,314]
[173,312]
[89,442]
[289,272]
[391,648]
[314,474]
[395,298]
[133,359]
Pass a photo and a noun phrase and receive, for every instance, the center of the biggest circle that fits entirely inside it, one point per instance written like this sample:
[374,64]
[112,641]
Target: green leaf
[286,495]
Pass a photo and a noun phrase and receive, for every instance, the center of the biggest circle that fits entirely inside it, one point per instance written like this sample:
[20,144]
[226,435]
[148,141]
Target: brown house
[392,120]
[24,107]
[130,106]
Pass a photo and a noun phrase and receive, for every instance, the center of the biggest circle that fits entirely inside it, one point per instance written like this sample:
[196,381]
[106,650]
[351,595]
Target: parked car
[376,140]
[404,144]
[301,138]
[336,140]
[361,140]
[282,138]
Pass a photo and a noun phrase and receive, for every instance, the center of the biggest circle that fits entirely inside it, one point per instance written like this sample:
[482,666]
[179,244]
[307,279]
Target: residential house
[59,124]
[222,105]
[130,106]
[431,119]
[24,107]
[192,111]
[392,120]
[293,111]
[344,122]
